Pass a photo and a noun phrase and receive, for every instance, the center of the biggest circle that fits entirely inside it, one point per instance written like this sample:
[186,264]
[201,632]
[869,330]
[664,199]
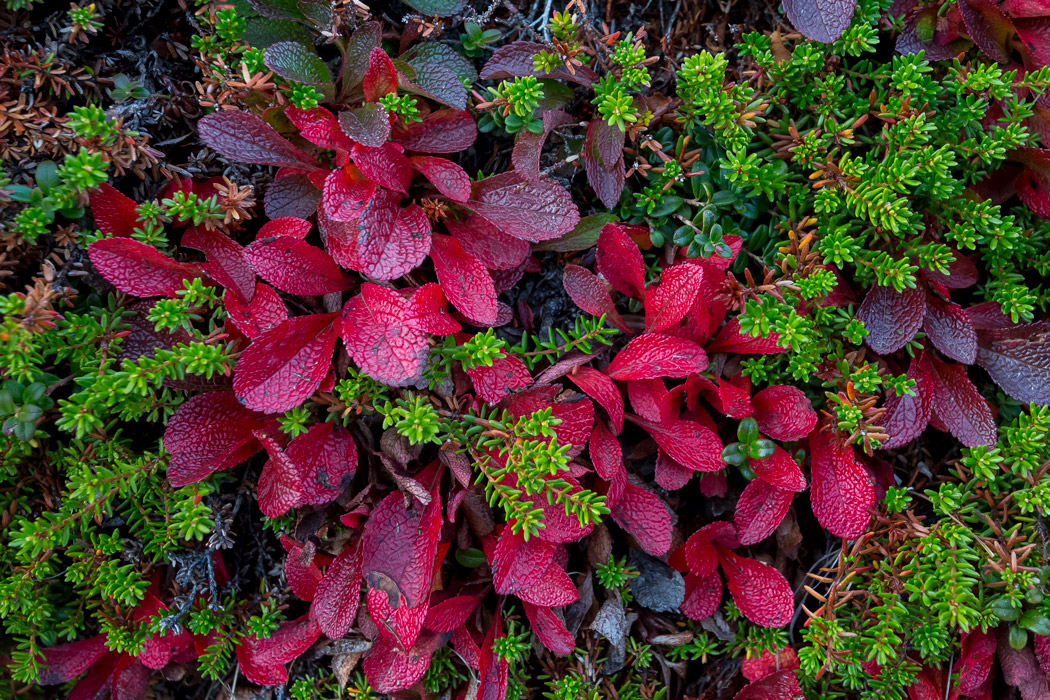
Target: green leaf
[47,175]
[293,61]
[1035,621]
[471,557]
[261,33]
[440,8]
[582,237]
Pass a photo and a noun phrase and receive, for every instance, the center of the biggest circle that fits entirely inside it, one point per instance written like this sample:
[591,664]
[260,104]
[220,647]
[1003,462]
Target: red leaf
[619,261]
[654,355]
[290,226]
[702,596]
[950,329]
[770,662]
[368,125]
[266,311]
[516,60]
[649,400]
[686,442]
[607,456]
[669,474]
[534,211]
[958,404]
[975,664]
[820,20]
[377,337]
[428,311]
[759,511]
[280,486]
[600,388]
[782,685]
[731,340]
[465,281]
[449,179]
[504,375]
[380,77]
[645,515]
[841,492]
[493,669]
[700,555]
[295,266]
[589,293]
[553,589]
[668,302]
[389,670]
[319,127]
[115,213]
[1018,359]
[139,269]
[325,457]
[518,563]
[444,131]
[210,432]
[779,470]
[262,660]
[339,593]
[65,662]
[892,318]
[988,27]
[344,197]
[386,165]
[760,591]
[392,241]
[226,264]
[783,412]
[284,366]
[302,578]
[550,629]
[451,613]
[495,249]
[245,138]
[907,416]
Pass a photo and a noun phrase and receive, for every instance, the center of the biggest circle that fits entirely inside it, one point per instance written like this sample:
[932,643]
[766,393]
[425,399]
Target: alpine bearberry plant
[471,350]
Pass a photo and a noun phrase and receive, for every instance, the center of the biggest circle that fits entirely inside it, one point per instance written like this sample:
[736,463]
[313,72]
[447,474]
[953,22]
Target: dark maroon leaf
[444,131]
[532,211]
[958,404]
[245,138]
[950,329]
[891,317]
[820,20]
[1018,359]
[516,60]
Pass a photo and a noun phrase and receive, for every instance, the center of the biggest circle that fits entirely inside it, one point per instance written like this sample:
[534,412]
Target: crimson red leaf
[550,629]
[770,662]
[907,416]
[344,196]
[988,27]
[262,660]
[340,240]
[380,77]
[702,595]
[686,442]
[325,457]
[319,127]
[892,318]
[645,515]
[492,669]
[759,511]
[388,669]
[444,131]
[377,337]
[295,266]
[782,685]
[465,281]
[64,662]
[783,412]
[1018,359]
[975,665]
[368,125]
[669,474]
[518,563]
[600,388]
[820,20]
[391,241]
[449,178]
[536,210]
[495,249]
[779,470]
[115,213]
[139,269]
[950,329]
[284,366]
[265,312]
[302,577]
[210,432]
[668,302]
[280,486]
[516,60]
[226,264]
[700,555]
[339,593]
[654,355]
[428,311]
[607,456]
[553,589]
[589,293]
[958,404]
[450,613]
[841,492]
[245,138]
[386,165]
[731,340]
[760,591]
[619,261]
[495,381]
